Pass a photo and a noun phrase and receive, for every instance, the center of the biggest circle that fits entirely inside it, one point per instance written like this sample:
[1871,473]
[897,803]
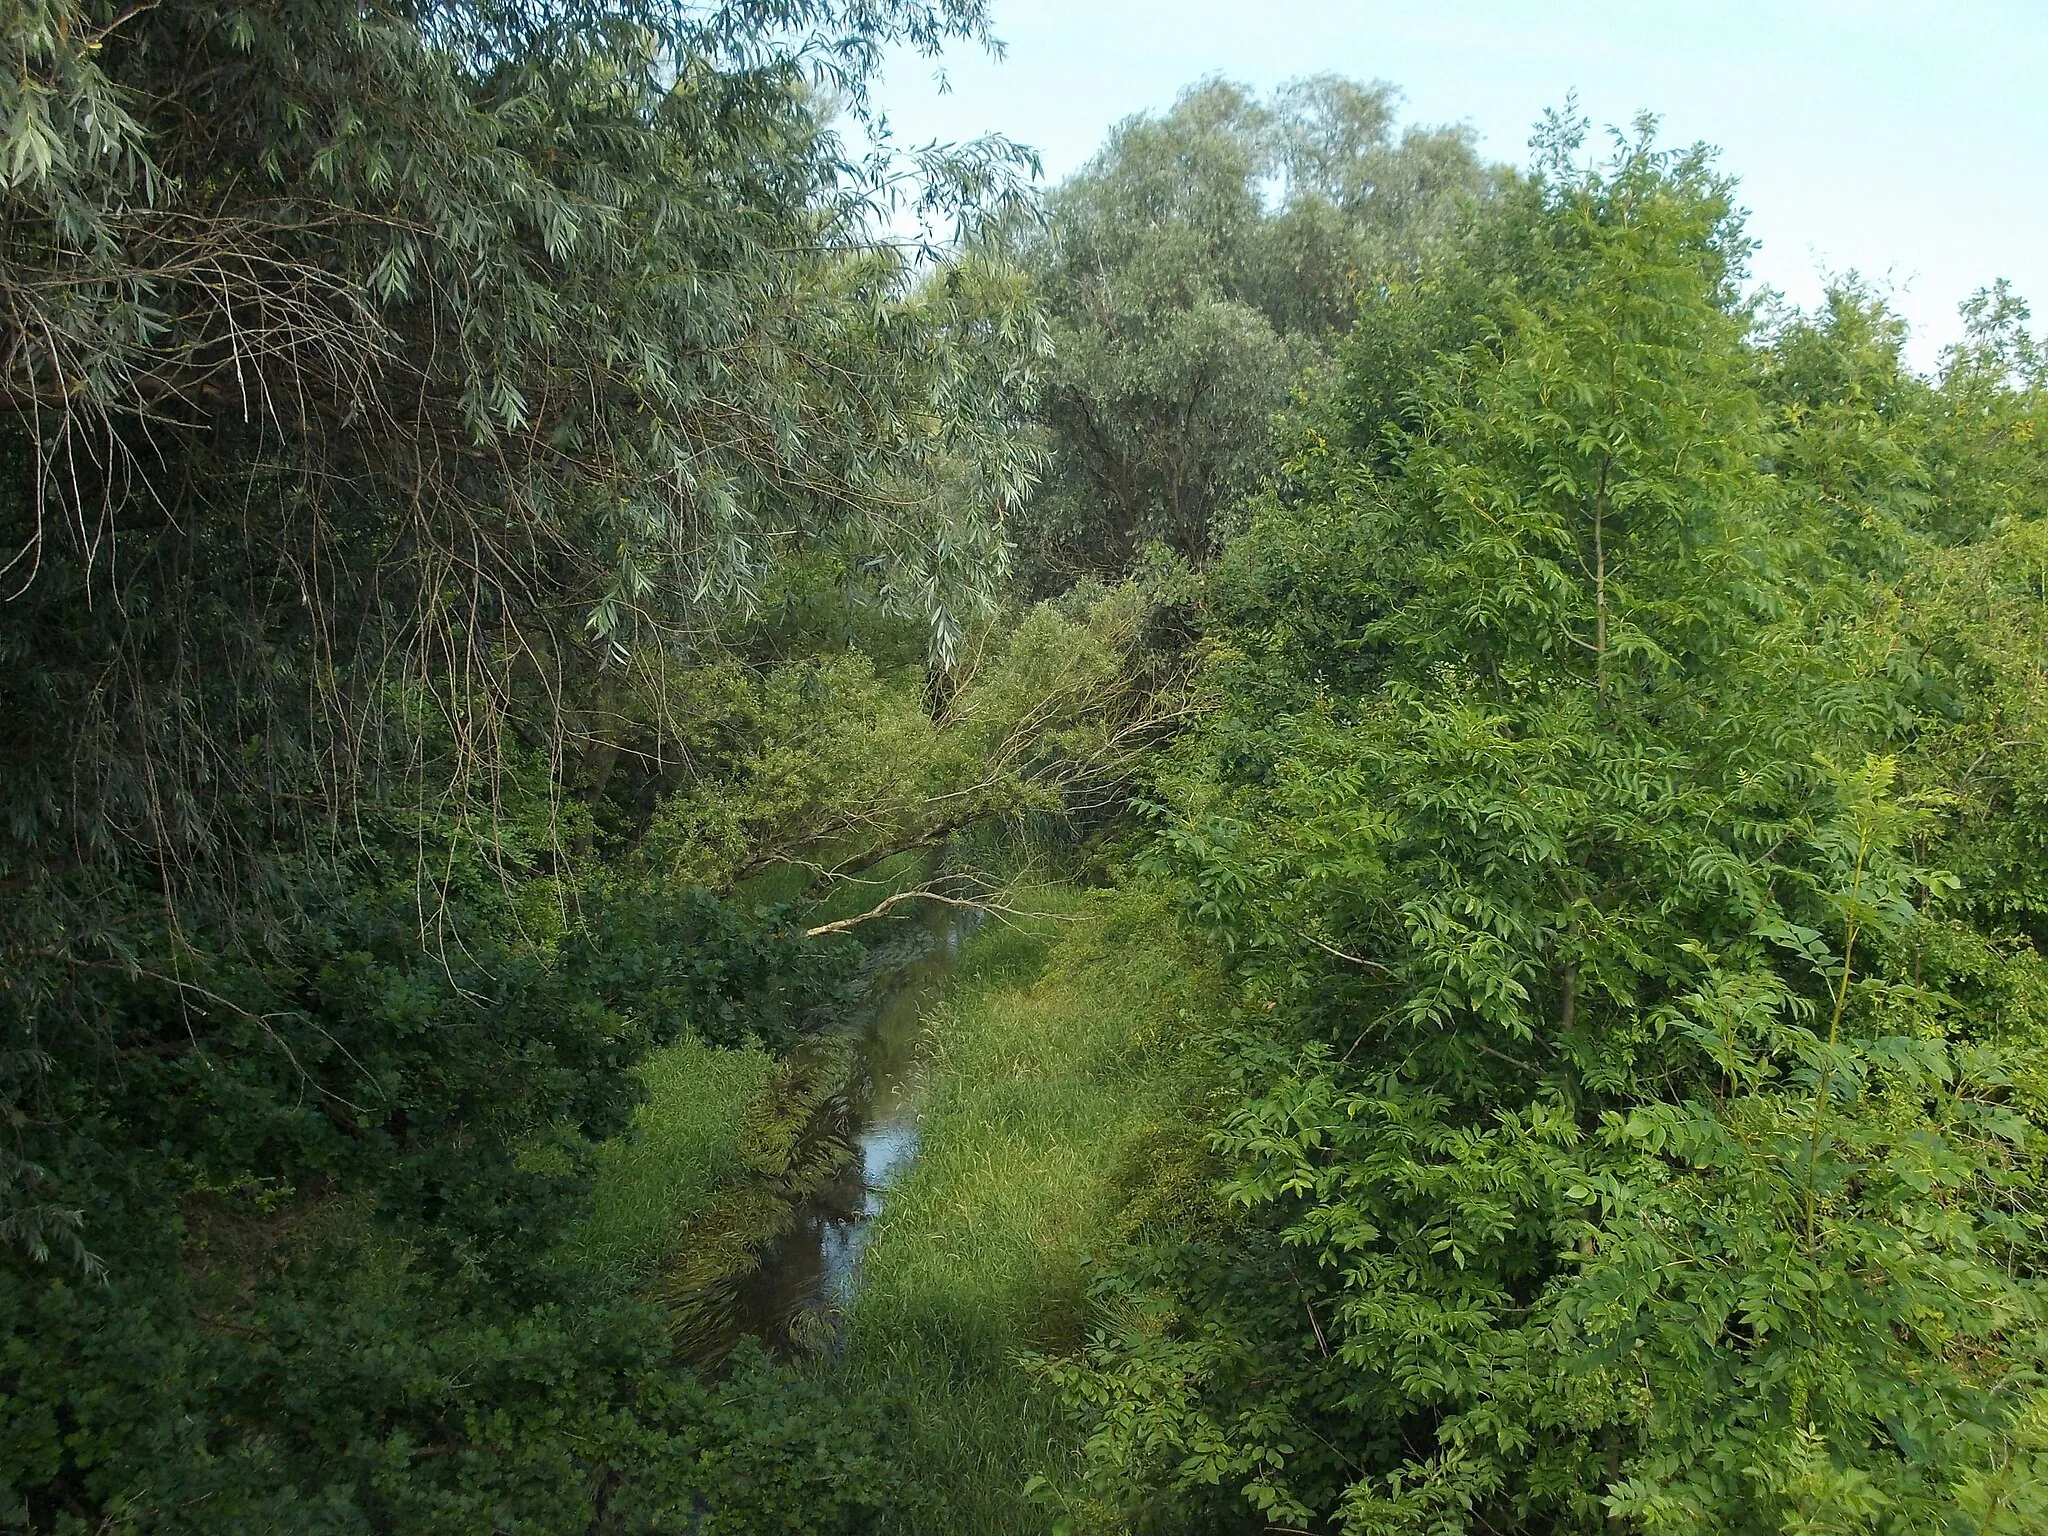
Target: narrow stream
[792,1299]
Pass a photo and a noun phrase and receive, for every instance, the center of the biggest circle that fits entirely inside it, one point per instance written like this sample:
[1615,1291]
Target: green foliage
[335,1159]
[393,384]
[1187,295]
[1853,429]
[598,269]
[1607,1151]
[1990,458]
[373,1401]
[825,759]
[1977,613]
[403,403]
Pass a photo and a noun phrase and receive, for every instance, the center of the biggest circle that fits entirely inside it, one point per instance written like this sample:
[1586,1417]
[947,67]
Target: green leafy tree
[1603,1159]
[1191,274]
[1853,429]
[397,403]
[1990,456]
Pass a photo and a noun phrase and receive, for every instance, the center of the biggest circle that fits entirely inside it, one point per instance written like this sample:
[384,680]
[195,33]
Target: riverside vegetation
[1507,772]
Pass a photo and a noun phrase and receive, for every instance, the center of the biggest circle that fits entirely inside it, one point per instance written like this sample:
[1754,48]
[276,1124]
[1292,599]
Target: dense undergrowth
[509,589]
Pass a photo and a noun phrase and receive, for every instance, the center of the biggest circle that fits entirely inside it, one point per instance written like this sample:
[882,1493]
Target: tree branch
[883,907]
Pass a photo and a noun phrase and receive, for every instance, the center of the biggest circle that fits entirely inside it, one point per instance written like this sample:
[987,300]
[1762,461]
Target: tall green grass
[1061,1102]
[684,1147]
[707,1157]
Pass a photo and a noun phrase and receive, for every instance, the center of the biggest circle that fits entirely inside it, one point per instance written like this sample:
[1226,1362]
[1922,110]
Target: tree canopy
[1620,1141]
[1191,274]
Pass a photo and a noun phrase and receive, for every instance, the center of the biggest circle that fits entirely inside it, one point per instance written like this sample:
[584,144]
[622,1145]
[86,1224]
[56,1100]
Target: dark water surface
[793,1297]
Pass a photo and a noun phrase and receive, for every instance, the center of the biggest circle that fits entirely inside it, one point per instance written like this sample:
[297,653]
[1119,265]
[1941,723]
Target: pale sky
[1906,140]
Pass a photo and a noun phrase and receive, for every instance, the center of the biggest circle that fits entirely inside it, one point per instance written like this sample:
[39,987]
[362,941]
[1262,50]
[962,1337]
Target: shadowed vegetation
[517,576]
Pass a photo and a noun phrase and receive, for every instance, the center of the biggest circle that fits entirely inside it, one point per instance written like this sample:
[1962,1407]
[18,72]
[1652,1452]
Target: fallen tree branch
[992,905]
[882,908]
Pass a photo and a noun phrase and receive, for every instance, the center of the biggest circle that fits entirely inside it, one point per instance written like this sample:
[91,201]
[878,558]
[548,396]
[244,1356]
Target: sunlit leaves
[1624,1152]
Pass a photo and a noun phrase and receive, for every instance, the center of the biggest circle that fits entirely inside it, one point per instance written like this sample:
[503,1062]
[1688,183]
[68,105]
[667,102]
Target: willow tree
[393,395]
[457,349]
[1192,272]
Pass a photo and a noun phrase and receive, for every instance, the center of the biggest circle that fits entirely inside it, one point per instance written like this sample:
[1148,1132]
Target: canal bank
[1062,1095]
[776,1256]
[1021,1096]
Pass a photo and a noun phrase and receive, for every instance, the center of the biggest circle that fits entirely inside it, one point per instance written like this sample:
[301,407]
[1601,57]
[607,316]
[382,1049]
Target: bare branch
[888,904]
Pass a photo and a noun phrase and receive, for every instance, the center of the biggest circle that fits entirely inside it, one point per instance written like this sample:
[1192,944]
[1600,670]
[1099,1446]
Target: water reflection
[792,1298]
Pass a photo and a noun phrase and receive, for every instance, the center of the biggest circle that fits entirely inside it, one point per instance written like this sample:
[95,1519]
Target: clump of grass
[684,1147]
[1062,1100]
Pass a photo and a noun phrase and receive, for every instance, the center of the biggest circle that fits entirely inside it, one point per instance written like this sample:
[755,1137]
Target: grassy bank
[683,1150]
[1058,1114]
[719,1127]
